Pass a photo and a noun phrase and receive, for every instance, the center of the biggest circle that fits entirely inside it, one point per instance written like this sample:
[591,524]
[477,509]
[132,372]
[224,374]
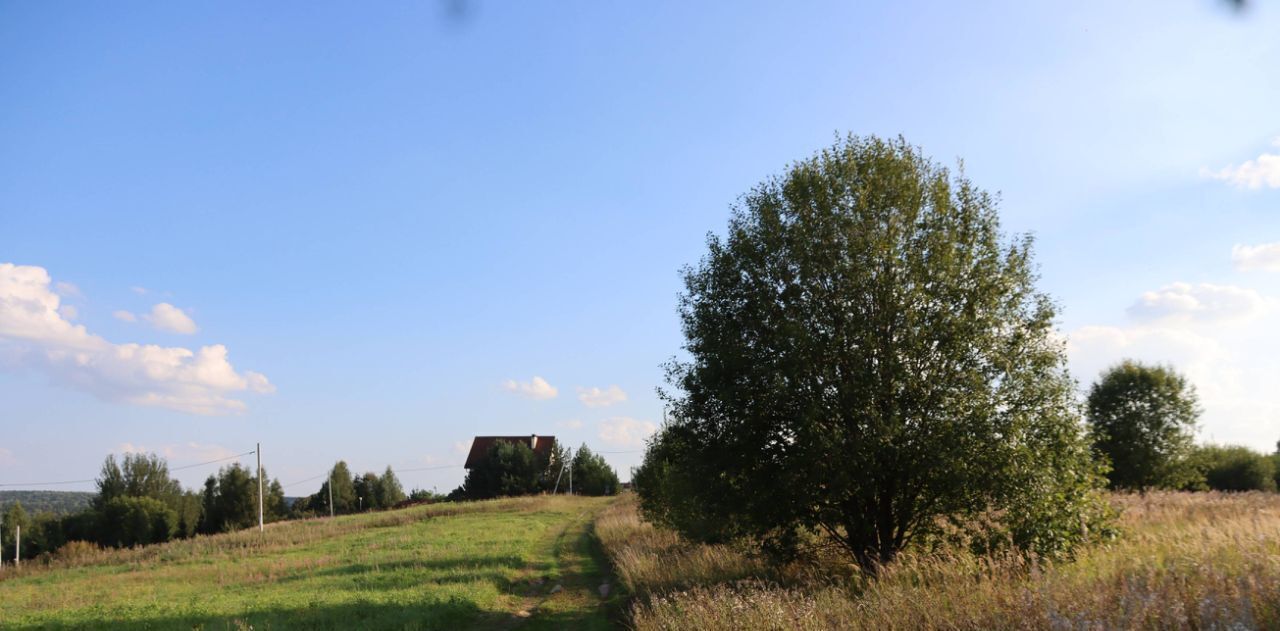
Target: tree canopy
[869,358]
[592,475]
[1143,420]
[508,468]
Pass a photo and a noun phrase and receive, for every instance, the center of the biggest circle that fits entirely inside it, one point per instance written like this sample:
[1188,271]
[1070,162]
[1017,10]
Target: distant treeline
[56,502]
[138,502]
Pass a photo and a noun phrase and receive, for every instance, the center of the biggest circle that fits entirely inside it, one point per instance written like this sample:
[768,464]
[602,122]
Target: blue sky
[377,219]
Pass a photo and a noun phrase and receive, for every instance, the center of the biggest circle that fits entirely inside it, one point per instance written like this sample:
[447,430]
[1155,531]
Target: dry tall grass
[1194,561]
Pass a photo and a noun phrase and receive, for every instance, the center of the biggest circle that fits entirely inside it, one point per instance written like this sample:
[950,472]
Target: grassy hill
[56,502]
[527,563]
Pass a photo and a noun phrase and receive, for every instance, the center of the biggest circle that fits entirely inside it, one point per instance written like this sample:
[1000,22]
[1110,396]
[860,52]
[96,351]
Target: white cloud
[1263,171]
[69,312]
[1264,257]
[66,290]
[141,291]
[167,317]
[35,336]
[462,446]
[538,389]
[1221,338]
[597,398]
[572,423]
[6,457]
[1204,302]
[125,316]
[626,431]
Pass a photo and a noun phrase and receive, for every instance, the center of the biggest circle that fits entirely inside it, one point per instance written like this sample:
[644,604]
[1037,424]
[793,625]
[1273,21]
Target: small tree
[230,500]
[592,475]
[868,357]
[508,468]
[14,516]
[390,492]
[276,505]
[368,489]
[1143,420]
[344,492]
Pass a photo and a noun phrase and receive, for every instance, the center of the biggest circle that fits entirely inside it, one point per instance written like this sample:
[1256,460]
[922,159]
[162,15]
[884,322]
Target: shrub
[1234,468]
[130,521]
[77,551]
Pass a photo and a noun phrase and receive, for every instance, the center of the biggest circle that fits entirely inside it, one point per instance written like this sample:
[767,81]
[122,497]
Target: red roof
[541,445]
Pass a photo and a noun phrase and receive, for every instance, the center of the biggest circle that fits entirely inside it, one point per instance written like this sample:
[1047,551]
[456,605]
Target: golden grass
[650,560]
[1184,561]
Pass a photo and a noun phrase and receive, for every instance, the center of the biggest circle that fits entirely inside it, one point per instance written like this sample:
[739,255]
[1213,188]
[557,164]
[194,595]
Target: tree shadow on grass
[496,569]
[454,613]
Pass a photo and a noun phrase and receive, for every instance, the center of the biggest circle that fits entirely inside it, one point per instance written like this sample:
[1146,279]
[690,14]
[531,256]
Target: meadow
[1183,561]
[529,563]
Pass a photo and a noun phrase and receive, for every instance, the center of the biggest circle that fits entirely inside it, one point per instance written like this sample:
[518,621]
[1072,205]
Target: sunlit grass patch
[428,567]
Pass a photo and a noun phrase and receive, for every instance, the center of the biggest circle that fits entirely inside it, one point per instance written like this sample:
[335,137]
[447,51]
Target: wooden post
[17,548]
[331,492]
[259,450]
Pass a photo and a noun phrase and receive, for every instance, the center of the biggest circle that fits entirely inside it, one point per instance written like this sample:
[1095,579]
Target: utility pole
[259,451]
[17,548]
[331,492]
[1,541]
[570,476]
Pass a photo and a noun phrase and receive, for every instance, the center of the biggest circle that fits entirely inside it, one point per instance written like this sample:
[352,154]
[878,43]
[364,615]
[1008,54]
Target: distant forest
[56,502]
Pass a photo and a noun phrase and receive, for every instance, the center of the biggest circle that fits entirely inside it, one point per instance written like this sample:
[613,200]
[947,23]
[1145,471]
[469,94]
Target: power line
[201,464]
[314,477]
[189,466]
[47,483]
[435,468]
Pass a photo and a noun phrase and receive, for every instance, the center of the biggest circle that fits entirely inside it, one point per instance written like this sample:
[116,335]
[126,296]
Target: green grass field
[487,565]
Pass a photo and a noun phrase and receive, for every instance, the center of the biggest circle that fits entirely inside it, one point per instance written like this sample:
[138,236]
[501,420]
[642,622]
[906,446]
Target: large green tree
[1143,421]
[869,358]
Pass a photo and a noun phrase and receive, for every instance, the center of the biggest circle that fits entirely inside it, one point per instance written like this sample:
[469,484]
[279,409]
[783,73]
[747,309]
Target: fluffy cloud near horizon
[1204,302]
[35,336]
[597,398]
[1264,257]
[1263,171]
[1220,337]
[626,431]
[538,389]
[167,317]
[572,423]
